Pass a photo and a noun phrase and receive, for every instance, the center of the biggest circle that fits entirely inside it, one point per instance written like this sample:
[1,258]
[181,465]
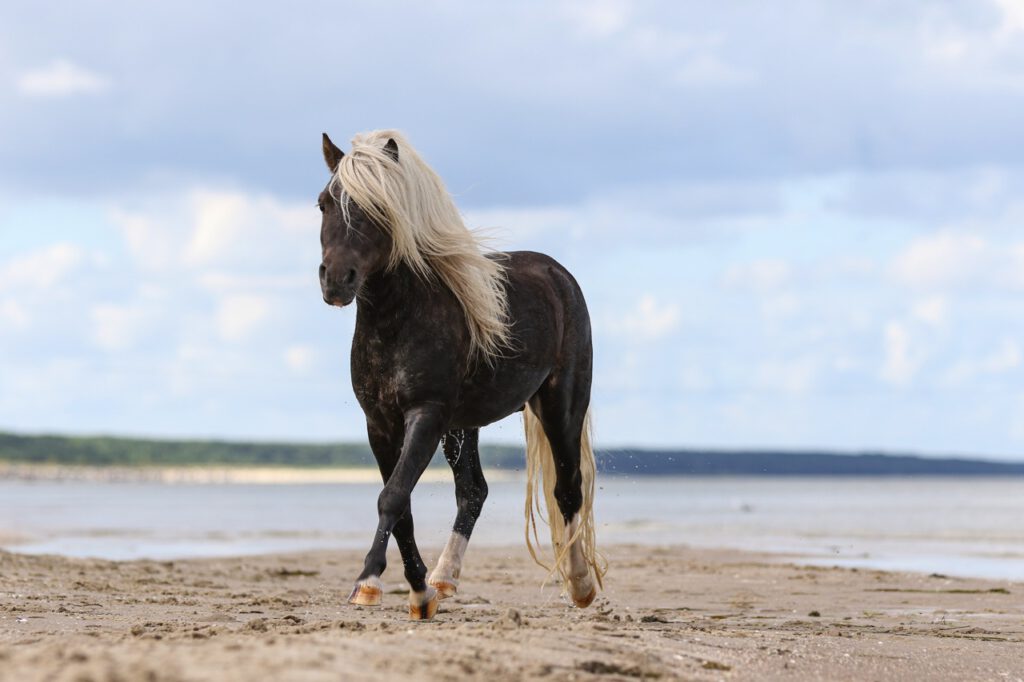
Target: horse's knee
[392,504]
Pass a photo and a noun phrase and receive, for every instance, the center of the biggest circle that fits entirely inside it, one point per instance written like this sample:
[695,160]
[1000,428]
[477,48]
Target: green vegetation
[108,451]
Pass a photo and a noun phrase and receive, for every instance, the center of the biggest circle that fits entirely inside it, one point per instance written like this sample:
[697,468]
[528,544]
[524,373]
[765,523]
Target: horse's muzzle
[338,293]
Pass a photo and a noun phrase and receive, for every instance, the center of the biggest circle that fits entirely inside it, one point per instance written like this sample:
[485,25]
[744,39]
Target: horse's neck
[390,293]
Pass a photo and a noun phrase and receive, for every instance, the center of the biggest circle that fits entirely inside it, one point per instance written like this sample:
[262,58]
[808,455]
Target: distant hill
[110,451]
[780,463]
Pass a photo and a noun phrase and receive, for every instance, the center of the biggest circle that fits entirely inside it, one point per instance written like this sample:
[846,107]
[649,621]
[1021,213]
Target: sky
[797,224]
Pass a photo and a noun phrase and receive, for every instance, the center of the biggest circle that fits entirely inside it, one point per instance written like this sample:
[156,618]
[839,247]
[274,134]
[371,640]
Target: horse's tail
[540,474]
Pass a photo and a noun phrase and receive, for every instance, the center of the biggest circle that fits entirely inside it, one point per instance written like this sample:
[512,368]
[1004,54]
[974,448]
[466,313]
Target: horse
[450,337]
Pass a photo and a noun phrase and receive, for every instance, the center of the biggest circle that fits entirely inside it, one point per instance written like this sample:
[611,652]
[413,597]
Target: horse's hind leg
[461,449]
[561,405]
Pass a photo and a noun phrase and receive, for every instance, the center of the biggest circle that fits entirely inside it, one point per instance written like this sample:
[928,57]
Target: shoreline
[207,474]
[203,474]
[667,612]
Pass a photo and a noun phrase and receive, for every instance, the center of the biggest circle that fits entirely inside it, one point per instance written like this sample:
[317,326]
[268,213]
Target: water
[968,527]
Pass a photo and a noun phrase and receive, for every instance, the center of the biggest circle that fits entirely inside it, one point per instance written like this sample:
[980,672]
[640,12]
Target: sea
[970,527]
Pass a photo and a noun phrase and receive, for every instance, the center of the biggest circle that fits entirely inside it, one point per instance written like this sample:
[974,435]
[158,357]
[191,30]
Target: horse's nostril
[351,277]
[323,272]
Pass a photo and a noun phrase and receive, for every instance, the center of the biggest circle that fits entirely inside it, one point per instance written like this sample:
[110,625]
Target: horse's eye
[320,205]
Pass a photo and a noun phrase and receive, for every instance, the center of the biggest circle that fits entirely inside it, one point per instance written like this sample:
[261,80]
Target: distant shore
[242,475]
[665,613]
[114,452]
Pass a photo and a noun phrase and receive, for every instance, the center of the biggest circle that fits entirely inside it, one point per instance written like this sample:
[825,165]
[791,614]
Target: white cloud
[651,319]
[709,69]
[759,275]
[598,18]
[117,327]
[41,269]
[942,259]
[1003,359]
[61,78]
[218,221]
[151,242]
[239,315]
[793,375]
[1012,20]
[13,314]
[781,306]
[933,310]
[299,358]
[217,229]
[901,362]
[960,259]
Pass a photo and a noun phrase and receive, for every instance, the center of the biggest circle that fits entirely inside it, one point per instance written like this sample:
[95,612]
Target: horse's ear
[392,149]
[332,155]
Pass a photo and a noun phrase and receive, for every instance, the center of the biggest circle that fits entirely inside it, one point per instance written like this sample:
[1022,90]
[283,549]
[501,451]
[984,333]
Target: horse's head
[354,246]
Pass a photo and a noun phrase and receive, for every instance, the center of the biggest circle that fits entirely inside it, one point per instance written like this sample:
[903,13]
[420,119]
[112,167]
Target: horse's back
[550,333]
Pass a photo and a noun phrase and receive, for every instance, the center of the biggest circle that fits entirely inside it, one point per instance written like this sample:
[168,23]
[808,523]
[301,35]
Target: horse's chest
[393,372]
[375,375]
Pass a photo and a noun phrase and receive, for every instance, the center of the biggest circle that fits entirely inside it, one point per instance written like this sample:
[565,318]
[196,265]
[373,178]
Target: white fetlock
[445,576]
[581,583]
[582,590]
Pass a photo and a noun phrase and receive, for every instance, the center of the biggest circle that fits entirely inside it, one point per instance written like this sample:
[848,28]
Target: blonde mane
[408,198]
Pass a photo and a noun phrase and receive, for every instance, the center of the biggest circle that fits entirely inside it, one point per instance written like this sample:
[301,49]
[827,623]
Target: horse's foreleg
[422,433]
[461,449]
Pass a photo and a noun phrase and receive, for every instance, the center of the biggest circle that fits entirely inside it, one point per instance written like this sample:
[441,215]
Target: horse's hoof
[584,602]
[367,593]
[423,605]
[445,589]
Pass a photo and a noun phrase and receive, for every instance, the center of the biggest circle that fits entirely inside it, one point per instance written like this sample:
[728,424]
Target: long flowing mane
[409,199]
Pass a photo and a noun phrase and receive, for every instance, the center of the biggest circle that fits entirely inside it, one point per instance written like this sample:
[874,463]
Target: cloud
[299,358]
[1012,19]
[227,223]
[209,230]
[901,360]
[794,375]
[759,275]
[598,19]
[61,78]
[933,311]
[239,315]
[708,69]
[650,319]
[41,269]
[154,246]
[118,327]
[13,314]
[560,102]
[960,259]
[1004,359]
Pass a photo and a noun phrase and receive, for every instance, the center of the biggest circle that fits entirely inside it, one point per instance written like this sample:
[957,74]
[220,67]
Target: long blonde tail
[540,475]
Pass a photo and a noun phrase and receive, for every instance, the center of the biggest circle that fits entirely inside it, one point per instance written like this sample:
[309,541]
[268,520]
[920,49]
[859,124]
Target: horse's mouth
[339,300]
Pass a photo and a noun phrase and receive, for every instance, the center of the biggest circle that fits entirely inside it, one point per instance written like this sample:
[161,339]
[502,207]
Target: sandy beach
[669,613]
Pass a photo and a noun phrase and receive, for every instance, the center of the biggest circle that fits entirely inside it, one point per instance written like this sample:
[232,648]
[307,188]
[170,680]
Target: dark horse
[449,339]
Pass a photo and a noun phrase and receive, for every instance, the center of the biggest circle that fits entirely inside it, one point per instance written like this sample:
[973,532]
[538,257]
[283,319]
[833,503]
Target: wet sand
[668,613]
